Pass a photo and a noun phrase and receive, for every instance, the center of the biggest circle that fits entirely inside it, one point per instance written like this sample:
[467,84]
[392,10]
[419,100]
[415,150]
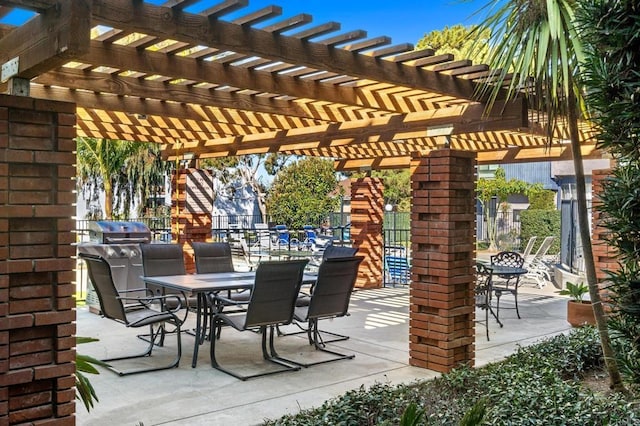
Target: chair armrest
[133,290]
[217,298]
[145,301]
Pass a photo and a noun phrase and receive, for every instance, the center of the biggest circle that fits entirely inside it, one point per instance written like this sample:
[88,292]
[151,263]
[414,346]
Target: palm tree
[125,171]
[538,39]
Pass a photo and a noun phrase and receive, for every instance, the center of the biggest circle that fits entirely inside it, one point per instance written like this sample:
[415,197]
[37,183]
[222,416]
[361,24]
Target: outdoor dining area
[202,86]
[377,327]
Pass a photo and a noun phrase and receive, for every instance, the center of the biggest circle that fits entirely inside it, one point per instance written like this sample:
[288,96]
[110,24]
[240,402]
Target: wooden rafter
[59,32]
[216,86]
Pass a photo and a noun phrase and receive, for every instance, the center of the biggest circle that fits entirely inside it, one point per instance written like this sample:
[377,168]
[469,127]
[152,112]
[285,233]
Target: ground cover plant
[542,384]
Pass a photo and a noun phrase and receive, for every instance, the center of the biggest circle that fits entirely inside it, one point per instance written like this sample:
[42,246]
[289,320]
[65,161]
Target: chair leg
[153,335]
[307,330]
[515,296]
[498,295]
[486,317]
[320,345]
[265,354]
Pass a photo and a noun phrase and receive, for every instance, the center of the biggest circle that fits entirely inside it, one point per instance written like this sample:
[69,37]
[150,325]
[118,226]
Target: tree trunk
[615,379]
[108,198]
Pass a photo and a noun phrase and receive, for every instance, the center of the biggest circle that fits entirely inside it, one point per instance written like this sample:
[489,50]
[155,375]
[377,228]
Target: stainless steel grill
[106,232]
[119,244]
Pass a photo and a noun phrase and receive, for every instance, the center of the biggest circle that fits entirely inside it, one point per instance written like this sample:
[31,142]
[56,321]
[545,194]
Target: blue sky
[405,21]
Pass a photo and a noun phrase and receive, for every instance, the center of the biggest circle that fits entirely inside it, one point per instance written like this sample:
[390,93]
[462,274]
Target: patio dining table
[202,284]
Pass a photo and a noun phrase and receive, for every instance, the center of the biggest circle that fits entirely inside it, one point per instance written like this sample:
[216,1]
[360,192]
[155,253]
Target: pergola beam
[500,156]
[199,30]
[453,120]
[68,26]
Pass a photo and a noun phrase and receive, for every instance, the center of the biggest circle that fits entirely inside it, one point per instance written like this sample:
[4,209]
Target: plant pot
[580,313]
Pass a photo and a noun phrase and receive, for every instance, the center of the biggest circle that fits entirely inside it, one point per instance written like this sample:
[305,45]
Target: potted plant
[579,311]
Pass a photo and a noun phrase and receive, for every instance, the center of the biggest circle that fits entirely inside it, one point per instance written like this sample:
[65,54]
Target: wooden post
[367,213]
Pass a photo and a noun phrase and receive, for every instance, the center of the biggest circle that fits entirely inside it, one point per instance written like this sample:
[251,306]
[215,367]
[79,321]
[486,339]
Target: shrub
[541,223]
[538,385]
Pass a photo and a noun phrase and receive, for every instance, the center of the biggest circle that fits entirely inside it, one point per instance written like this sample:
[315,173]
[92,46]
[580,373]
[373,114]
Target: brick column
[186,224]
[37,310]
[604,255]
[367,214]
[442,327]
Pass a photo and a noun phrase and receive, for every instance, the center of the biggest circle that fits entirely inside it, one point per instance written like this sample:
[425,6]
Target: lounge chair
[138,313]
[283,239]
[537,266]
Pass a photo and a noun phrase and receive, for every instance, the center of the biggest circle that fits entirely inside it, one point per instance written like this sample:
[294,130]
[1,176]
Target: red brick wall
[604,255]
[367,214]
[37,308]
[442,327]
[187,226]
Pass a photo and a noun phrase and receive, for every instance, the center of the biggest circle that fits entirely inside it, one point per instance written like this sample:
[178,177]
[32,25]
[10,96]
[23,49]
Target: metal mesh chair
[329,299]
[166,259]
[271,303]
[506,283]
[338,251]
[138,313]
[212,257]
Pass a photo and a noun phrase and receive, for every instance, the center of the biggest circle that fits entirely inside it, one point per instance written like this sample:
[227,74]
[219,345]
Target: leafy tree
[456,40]
[539,39]
[397,187]
[235,173]
[303,191]
[500,188]
[613,83]
[127,172]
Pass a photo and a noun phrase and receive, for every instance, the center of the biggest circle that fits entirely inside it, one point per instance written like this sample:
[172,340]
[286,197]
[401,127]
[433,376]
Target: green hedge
[541,223]
[538,385]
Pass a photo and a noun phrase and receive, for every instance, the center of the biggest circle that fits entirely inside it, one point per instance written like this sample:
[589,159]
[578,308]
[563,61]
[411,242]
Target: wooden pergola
[183,76]
[198,83]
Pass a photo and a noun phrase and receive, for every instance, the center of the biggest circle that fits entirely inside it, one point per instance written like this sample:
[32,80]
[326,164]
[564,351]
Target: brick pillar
[604,255]
[367,214]
[37,308]
[188,222]
[442,327]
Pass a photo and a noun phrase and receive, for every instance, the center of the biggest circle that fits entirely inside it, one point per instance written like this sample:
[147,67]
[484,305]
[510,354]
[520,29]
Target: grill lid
[104,231]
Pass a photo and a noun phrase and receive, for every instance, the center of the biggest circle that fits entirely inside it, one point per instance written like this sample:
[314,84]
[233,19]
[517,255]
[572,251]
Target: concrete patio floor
[378,328]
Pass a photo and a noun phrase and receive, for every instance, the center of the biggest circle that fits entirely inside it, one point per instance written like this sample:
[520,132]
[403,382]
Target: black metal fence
[507,230]
[263,239]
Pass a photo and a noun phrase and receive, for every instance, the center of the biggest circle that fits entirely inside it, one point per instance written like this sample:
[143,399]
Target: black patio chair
[138,312]
[338,251]
[214,258]
[304,298]
[166,259]
[482,293]
[330,299]
[503,283]
[271,303]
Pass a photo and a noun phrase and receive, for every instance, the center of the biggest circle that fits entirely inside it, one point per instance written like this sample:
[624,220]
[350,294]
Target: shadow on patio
[378,327]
